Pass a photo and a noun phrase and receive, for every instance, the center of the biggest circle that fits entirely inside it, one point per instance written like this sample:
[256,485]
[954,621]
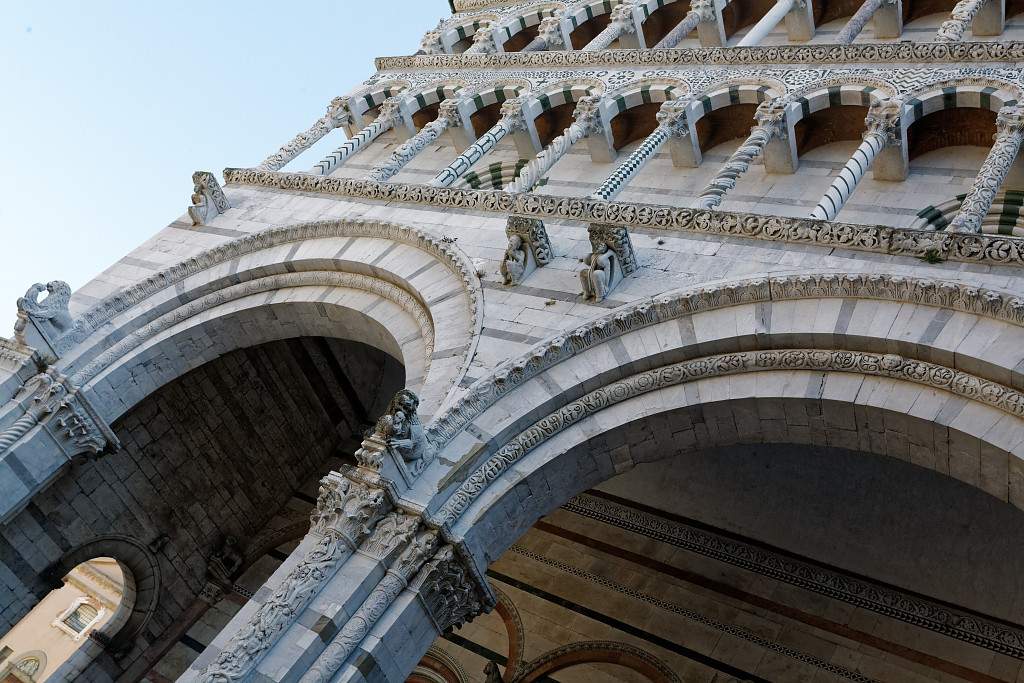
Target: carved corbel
[612,258]
[448,590]
[398,443]
[208,198]
[41,322]
[528,248]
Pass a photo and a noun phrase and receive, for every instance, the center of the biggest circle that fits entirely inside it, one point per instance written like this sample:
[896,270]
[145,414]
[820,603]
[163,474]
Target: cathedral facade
[617,340]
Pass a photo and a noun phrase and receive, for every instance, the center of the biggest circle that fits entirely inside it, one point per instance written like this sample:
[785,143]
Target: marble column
[700,11]
[549,35]
[621,23]
[858,21]
[771,123]
[511,120]
[346,512]
[671,123]
[882,123]
[767,23]
[586,121]
[1009,134]
[385,121]
[338,113]
[954,28]
[447,117]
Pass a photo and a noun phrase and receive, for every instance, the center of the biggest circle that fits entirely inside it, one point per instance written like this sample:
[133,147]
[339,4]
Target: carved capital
[550,29]
[390,110]
[339,112]
[431,43]
[672,117]
[449,109]
[512,113]
[772,113]
[1010,120]
[884,119]
[705,9]
[448,590]
[483,39]
[588,113]
[345,508]
[622,17]
[392,532]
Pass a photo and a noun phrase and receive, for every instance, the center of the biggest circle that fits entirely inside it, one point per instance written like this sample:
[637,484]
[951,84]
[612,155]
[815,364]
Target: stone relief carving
[50,314]
[449,593]
[528,248]
[225,562]
[398,433]
[345,513]
[877,238]
[208,198]
[611,260]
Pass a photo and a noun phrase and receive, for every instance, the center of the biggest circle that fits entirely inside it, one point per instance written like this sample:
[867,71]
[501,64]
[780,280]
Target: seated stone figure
[513,266]
[399,433]
[602,273]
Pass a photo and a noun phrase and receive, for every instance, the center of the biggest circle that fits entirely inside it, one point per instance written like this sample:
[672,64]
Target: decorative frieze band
[956,623]
[991,249]
[866,53]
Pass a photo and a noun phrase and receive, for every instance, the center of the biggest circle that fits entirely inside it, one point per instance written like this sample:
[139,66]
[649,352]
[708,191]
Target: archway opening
[634,124]
[840,122]
[722,125]
[588,30]
[552,122]
[70,624]
[663,20]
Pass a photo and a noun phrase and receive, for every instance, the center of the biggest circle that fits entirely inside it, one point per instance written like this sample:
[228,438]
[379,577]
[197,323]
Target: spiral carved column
[1009,135]
[954,28]
[338,112]
[858,21]
[511,121]
[587,122]
[447,118]
[385,121]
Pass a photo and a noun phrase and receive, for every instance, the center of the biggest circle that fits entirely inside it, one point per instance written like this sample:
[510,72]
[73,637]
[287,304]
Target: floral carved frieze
[992,249]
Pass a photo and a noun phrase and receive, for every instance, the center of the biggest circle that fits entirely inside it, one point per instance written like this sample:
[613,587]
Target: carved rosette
[345,513]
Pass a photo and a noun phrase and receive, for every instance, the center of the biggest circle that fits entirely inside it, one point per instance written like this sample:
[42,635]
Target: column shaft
[992,173]
[538,44]
[628,169]
[604,39]
[367,135]
[337,113]
[465,161]
[682,29]
[844,184]
[408,150]
[858,21]
[953,29]
[737,164]
[767,23]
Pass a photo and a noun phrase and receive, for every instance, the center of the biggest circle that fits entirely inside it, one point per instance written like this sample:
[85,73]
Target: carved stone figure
[492,673]
[50,314]
[397,433]
[208,198]
[226,561]
[602,266]
[513,266]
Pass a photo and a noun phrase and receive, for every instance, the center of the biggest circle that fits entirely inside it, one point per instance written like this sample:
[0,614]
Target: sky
[106,109]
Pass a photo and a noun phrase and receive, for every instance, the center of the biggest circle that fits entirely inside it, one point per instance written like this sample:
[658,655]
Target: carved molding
[991,249]
[131,296]
[618,652]
[912,609]
[866,53]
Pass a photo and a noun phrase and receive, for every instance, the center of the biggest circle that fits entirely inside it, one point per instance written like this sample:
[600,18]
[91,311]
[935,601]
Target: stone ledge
[962,247]
[870,53]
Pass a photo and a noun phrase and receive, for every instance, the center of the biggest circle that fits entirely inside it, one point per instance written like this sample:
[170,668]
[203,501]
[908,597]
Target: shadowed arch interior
[722,125]
[832,124]
[951,127]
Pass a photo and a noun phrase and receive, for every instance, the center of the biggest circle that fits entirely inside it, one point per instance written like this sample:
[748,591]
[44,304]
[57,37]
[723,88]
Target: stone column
[510,121]
[346,511]
[483,41]
[549,35]
[700,11]
[671,123]
[587,121]
[767,23]
[954,28]
[882,123]
[621,23]
[385,121]
[858,21]
[447,117]
[1009,134]
[338,113]
[771,123]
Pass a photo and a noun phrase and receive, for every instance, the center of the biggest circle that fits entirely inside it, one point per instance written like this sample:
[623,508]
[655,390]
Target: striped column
[671,123]
[1009,135]
[447,117]
[954,28]
[858,21]
[771,121]
[385,121]
[882,122]
[511,120]
[338,112]
[586,122]
[767,23]
[621,22]
[700,10]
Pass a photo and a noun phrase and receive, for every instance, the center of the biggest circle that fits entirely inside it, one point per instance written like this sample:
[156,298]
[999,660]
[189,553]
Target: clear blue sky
[106,109]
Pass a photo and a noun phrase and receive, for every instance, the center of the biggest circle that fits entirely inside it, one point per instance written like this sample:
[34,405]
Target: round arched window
[29,665]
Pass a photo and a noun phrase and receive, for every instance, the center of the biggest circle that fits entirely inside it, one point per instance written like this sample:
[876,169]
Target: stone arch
[482,110]
[513,33]
[141,571]
[727,112]
[510,617]
[422,102]
[550,108]
[586,20]
[235,281]
[367,100]
[494,176]
[987,94]
[660,17]
[822,115]
[458,34]
[720,368]
[592,652]
[628,112]
[437,666]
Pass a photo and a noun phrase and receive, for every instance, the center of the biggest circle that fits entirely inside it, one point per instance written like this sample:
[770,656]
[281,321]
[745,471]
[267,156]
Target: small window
[29,665]
[81,617]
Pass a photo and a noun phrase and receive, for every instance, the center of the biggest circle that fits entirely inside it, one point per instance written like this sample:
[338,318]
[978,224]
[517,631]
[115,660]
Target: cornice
[963,247]
[869,53]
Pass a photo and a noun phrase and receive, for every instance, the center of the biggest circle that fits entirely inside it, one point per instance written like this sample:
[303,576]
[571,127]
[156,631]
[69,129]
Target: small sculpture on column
[528,248]
[50,317]
[610,261]
[208,198]
[397,437]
